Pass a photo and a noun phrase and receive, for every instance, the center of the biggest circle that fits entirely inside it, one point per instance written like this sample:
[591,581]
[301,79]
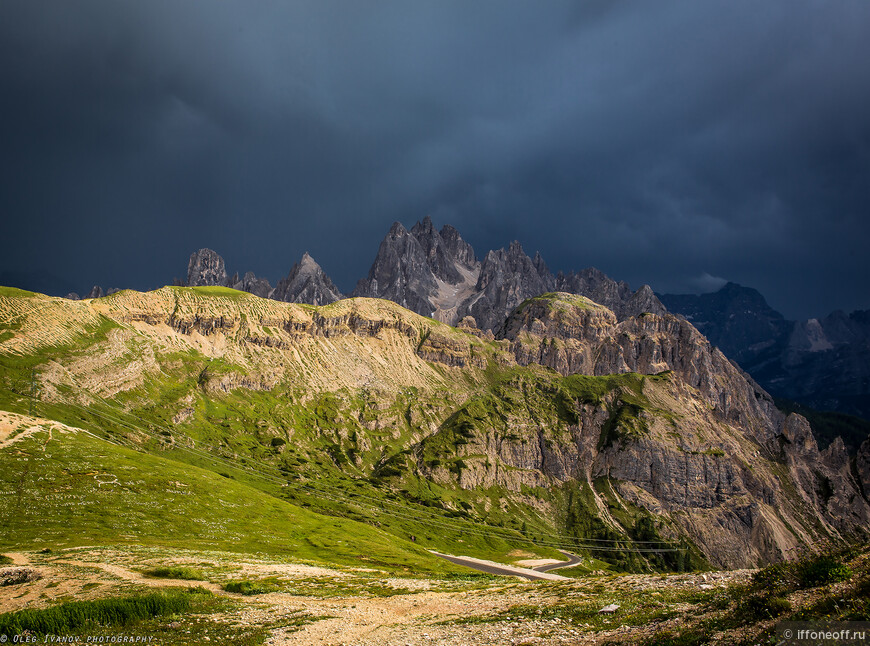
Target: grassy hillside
[273,449]
[355,429]
[62,487]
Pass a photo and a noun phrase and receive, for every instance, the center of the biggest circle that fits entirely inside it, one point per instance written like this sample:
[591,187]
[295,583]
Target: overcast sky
[678,144]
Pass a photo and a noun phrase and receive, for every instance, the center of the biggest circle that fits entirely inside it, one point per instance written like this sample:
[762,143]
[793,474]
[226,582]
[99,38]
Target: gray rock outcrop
[206,268]
[616,296]
[307,283]
[692,463]
[251,284]
[427,271]
[96,292]
[507,278]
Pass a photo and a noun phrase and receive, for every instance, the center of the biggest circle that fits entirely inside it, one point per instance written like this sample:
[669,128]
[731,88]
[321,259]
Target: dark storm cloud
[661,142]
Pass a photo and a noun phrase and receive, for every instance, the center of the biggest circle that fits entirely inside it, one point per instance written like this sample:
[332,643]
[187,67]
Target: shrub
[250,587]
[773,577]
[822,570]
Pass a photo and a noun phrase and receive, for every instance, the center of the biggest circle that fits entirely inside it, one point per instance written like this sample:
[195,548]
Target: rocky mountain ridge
[436,274]
[571,415]
[306,282]
[821,363]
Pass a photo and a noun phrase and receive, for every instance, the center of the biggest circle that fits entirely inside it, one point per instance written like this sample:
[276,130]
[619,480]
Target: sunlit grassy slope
[62,487]
[251,408]
[266,412]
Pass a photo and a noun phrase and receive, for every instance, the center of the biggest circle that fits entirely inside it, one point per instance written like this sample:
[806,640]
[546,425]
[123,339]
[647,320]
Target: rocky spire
[96,292]
[307,283]
[457,247]
[206,267]
[507,278]
[400,273]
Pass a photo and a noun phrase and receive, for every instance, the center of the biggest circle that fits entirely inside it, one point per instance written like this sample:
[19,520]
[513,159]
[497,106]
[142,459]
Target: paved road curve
[573,559]
[501,570]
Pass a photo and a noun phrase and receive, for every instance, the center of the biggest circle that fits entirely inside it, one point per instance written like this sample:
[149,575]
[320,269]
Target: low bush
[774,577]
[250,587]
[822,570]
[806,573]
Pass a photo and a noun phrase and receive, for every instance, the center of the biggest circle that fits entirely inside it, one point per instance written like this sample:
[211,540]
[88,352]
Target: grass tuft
[176,572]
[75,615]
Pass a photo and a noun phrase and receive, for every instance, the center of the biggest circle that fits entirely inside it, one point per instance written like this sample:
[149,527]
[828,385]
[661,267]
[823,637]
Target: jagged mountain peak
[252,284]
[617,296]
[397,229]
[458,248]
[507,278]
[540,265]
[422,271]
[206,268]
[424,227]
[307,283]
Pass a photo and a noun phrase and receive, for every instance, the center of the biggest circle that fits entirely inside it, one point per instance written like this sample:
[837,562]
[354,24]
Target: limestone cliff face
[579,337]
[720,463]
[561,334]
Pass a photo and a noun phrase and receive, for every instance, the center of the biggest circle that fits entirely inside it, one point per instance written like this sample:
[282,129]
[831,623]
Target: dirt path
[18,558]
[364,611]
[136,577]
